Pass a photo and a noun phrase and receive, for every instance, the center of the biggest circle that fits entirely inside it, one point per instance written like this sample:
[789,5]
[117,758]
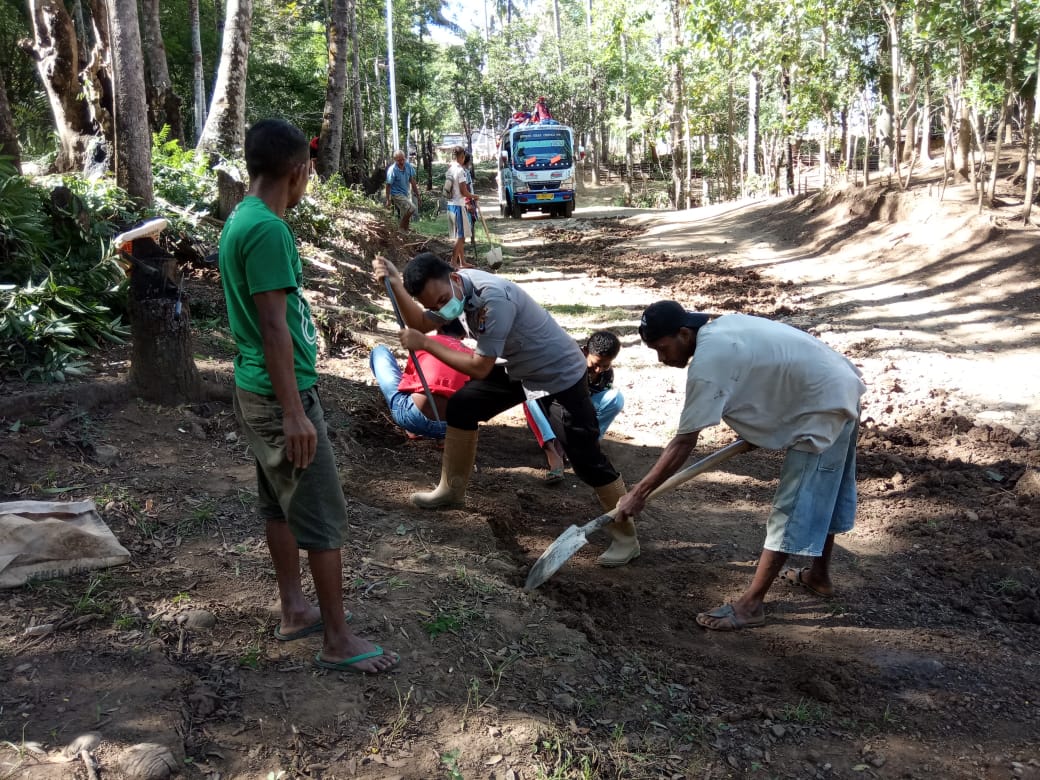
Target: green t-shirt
[258,254]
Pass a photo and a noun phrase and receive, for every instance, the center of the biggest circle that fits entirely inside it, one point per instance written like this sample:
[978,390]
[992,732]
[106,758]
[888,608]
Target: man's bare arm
[671,460]
[300,437]
[469,363]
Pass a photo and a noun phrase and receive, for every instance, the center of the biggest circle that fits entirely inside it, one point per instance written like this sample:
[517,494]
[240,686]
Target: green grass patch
[449,621]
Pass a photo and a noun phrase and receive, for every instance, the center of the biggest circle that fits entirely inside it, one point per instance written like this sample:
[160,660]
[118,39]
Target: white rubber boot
[624,546]
[460,452]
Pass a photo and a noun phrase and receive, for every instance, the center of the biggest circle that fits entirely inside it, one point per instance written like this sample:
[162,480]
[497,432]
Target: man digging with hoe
[778,388]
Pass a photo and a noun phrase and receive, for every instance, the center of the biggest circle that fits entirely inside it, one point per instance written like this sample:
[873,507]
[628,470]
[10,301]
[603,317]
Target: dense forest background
[115,110]
[736,91]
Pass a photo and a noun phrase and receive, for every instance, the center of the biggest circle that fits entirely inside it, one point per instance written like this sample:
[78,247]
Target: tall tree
[163,103]
[56,52]
[198,82]
[224,131]
[330,139]
[8,132]
[357,116]
[133,137]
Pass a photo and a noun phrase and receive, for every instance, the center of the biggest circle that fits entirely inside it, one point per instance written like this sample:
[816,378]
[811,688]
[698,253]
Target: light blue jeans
[816,497]
[402,408]
[607,404]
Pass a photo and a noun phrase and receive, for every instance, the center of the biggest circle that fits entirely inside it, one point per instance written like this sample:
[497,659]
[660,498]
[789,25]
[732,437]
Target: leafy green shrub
[24,232]
[314,218]
[45,327]
[60,291]
[183,177]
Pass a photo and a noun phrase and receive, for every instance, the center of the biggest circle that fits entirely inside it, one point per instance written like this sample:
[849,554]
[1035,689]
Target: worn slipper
[724,618]
[794,577]
[553,476]
[348,664]
[313,628]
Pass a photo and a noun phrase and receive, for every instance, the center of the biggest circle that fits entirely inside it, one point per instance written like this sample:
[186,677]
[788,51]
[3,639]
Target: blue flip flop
[347,664]
[313,628]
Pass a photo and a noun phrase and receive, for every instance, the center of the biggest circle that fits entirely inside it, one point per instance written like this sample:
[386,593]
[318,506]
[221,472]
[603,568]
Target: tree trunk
[1033,143]
[98,78]
[1028,110]
[162,363]
[133,139]
[8,132]
[752,124]
[559,36]
[56,52]
[1005,108]
[788,146]
[897,142]
[164,105]
[926,119]
[961,164]
[330,139]
[678,105]
[357,148]
[629,162]
[224,132]
[198,77]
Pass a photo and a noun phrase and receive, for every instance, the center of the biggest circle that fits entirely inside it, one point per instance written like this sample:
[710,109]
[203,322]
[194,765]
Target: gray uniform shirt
[507,323]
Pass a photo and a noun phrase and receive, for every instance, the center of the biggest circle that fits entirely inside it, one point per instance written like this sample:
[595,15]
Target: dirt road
[923,666]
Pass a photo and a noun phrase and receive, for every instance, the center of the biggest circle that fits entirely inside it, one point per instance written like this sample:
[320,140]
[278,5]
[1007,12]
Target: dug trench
[922,665]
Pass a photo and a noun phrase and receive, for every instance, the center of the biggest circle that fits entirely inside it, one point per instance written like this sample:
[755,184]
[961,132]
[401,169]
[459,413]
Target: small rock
[877,762]
[1028,484]
[197,431]
[87,742]
[42,629]
[148,761]
[22,668]
[778,730]
[565,701]
[197,619]
[970,516]
[231,437]
[105,454]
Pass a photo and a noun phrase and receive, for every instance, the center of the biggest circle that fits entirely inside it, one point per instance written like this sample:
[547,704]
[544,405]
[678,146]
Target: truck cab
[536,169]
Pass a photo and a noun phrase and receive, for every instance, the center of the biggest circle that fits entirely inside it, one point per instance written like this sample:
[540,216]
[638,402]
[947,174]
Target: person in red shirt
[403,391]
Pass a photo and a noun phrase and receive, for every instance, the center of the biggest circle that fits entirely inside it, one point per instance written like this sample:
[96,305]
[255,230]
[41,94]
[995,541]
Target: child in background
[600,351]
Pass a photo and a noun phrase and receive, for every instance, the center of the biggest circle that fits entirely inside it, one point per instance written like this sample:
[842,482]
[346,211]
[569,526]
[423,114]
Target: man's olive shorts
[311,499]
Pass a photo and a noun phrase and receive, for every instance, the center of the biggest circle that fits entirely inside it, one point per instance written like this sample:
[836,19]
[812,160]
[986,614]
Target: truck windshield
[548,149]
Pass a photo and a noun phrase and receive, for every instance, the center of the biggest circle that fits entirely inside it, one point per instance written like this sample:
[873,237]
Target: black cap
[664,318]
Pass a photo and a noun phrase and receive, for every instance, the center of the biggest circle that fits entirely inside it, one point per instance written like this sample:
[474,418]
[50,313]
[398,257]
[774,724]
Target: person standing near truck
[399,178]
[460,194]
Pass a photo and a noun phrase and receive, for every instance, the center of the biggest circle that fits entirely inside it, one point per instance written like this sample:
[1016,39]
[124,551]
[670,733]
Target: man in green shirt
[276,403]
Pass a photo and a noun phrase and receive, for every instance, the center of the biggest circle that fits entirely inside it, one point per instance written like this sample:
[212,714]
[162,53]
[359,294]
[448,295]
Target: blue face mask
[453,309]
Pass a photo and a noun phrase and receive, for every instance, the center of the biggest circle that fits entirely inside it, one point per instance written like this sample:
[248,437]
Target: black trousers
[481,399]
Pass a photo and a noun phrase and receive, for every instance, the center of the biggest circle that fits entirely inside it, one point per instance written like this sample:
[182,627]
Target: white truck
[536,169]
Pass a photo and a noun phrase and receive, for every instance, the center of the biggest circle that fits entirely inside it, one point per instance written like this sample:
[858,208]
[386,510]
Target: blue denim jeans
[816,497]
[402,408]
[607,404]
